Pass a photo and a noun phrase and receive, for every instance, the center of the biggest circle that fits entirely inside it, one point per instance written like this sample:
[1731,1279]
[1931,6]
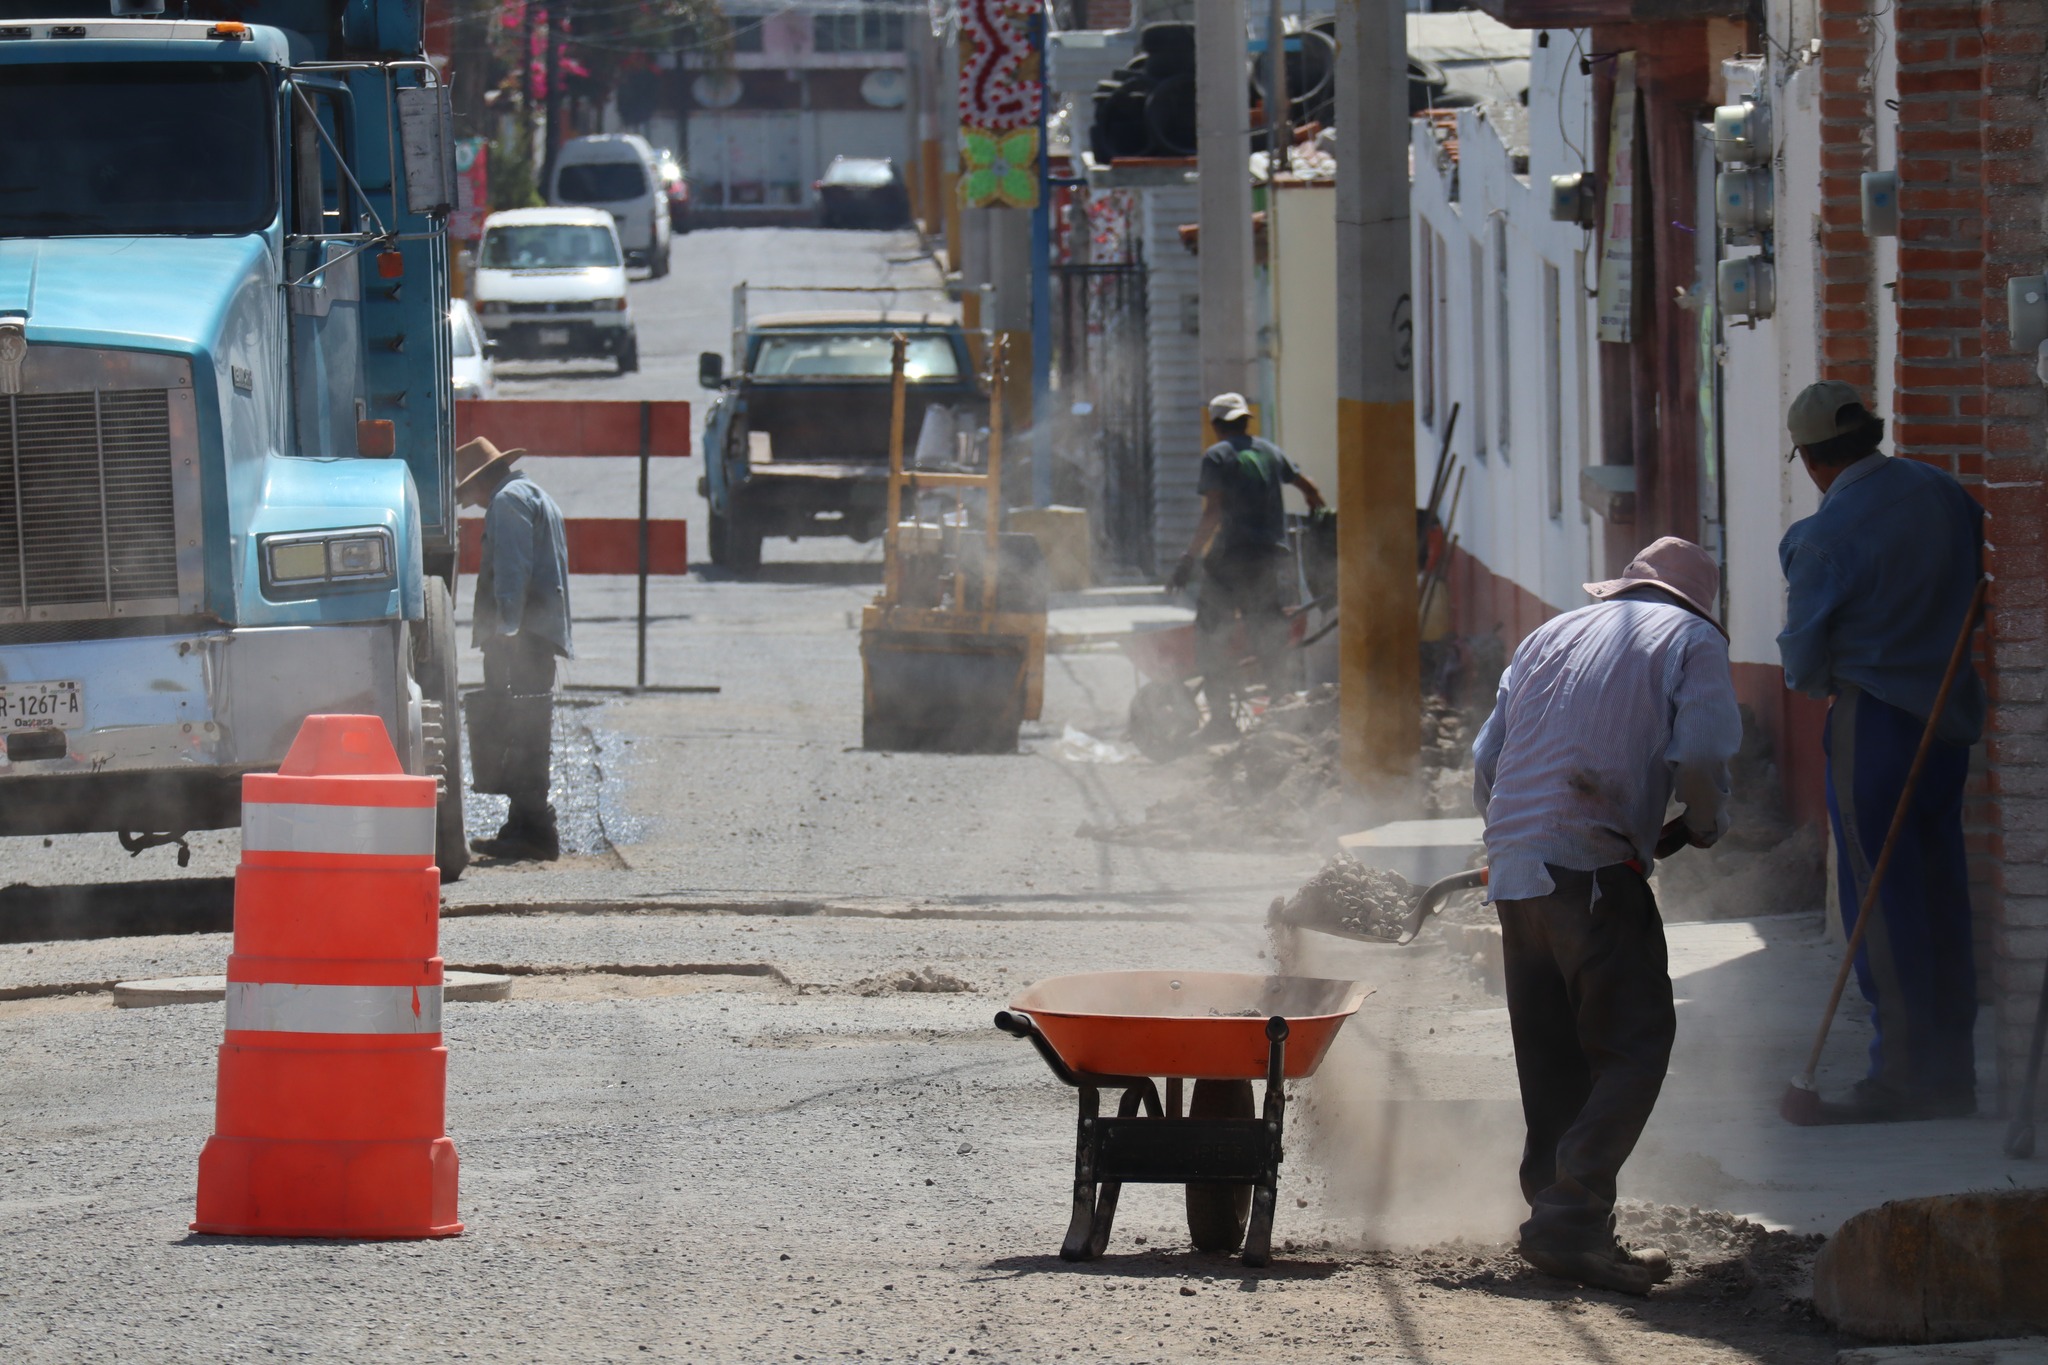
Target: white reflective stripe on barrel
[291,827]
[281,1007]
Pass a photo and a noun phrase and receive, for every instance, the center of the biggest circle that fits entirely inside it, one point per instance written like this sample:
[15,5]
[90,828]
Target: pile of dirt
[1716,1257]
[1764,865]
[1281,783]
[1355,897]
[918,981]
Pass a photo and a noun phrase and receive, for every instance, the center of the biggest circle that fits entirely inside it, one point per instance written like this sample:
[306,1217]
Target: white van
[551,284]
[618,173]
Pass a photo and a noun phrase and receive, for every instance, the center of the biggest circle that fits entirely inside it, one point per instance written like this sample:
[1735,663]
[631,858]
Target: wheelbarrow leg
[1146,1094]
[1081,1244]
[1258,1233]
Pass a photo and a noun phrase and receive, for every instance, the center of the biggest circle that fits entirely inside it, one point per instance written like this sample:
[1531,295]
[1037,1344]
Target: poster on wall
[1002,89]
[1618,224]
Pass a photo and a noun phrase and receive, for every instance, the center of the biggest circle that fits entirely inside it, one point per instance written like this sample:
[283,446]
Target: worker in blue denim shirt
[1878,582]
[522,627]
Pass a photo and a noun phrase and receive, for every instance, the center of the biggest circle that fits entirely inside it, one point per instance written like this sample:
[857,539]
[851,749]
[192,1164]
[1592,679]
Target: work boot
[1617,1267]
[1873,1101]
[526,837]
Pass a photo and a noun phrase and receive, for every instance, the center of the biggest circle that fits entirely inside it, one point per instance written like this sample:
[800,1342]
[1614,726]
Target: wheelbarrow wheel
[1164,720]
[1217,1213]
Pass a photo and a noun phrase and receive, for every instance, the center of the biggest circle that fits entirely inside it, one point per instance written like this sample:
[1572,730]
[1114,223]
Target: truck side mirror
[710,370]
[426,139]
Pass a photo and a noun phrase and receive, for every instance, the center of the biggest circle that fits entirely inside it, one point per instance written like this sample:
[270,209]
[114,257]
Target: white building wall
[1765,367]
[1533,376]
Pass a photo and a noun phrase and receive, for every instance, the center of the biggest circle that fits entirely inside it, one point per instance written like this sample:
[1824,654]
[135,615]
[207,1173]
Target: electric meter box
[1747,288]
[1575,198]
[2026,311]
[1743,202]
[1881,203]
[1742,133]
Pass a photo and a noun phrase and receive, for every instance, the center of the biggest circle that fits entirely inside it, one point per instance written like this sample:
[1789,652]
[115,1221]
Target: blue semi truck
[226,467]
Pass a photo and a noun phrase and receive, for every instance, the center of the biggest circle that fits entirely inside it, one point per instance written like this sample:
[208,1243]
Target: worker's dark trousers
[1916,966]
[519,670]
[1246,587]
[1589,1003]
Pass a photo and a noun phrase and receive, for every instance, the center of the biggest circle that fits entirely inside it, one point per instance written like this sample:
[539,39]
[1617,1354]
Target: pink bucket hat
[1679,567]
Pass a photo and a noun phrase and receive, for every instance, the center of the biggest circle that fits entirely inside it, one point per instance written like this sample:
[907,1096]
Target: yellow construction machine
[953,649]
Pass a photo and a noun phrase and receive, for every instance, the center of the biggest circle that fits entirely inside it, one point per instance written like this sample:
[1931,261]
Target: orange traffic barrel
[329,1118]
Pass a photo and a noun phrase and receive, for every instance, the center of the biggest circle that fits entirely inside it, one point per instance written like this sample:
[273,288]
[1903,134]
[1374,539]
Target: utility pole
[1379,638]
[554,101]
[1224,146]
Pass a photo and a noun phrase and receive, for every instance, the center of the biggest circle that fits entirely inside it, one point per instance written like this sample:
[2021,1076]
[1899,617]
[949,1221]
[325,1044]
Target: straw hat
[1677,566]
[474,457]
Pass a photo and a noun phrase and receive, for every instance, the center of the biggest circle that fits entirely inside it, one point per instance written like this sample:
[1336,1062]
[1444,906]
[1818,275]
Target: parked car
[862,191]
[551,284]
[797,441]
[470,365]
[676,185]
[617,172]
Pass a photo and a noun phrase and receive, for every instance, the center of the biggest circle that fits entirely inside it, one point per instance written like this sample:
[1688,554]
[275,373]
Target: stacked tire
[1147,107]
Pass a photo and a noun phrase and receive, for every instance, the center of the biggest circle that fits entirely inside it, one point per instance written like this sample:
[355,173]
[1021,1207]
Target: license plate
[42,705]
[554,336]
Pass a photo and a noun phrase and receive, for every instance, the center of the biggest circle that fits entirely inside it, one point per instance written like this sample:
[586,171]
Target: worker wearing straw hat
[522,627]
[1603,716]
[1878,583]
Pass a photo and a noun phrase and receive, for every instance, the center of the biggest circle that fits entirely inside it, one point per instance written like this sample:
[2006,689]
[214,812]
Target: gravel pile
[1349,895]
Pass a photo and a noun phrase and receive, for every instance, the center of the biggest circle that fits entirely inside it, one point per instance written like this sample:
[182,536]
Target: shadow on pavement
[1168,1264]
[43,914]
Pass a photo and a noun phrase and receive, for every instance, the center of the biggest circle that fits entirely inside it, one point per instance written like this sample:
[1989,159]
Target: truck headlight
[493,307]
[350,557]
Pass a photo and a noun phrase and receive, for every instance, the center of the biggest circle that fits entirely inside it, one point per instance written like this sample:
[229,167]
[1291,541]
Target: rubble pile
[1281,784]
[1764,865]
[1357,898]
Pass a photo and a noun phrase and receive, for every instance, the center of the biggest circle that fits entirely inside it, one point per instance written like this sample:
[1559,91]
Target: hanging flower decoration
[1001,93]
[1001,168]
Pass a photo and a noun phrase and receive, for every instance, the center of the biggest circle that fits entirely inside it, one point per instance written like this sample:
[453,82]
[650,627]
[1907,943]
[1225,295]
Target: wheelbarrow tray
[1197,1025]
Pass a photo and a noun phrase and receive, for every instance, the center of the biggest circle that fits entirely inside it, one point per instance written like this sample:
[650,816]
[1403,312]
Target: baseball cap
[1228,407]
[1825,410]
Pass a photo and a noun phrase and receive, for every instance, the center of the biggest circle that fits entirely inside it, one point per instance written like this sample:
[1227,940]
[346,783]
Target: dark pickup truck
[797,442]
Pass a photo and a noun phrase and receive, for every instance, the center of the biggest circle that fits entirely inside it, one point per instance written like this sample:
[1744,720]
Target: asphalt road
[746,1102]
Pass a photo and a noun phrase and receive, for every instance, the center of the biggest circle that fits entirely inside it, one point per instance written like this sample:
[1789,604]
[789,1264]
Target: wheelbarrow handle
[1016,1023]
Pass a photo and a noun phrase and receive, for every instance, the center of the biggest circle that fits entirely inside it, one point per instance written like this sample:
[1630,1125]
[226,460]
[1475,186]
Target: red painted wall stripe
[603,545]
[563,429]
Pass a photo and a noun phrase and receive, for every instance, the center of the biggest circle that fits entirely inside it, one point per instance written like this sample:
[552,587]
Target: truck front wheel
[629,353]
[433,667]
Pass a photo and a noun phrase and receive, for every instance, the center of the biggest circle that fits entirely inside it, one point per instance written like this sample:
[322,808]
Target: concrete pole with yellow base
[1379,664]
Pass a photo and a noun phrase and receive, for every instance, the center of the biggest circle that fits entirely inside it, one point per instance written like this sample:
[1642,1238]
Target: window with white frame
[1425,350]
[1442,293]
[1582,358]
[1503,335]
[1476,287]
[1553,391]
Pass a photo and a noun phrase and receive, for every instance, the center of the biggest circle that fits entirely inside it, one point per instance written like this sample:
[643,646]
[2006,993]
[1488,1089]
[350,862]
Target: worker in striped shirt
[1603,716]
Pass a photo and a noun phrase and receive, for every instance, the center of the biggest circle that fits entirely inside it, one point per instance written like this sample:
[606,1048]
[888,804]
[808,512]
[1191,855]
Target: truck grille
[87,514]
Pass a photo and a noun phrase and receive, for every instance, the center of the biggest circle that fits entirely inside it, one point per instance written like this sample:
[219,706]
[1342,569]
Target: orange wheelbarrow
[1222,1030]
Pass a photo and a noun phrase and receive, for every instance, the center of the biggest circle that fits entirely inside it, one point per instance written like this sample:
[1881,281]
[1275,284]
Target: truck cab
[226,463]
[797,442]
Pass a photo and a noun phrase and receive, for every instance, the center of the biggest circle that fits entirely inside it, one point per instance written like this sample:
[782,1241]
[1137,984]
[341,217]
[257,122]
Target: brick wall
[1971,175]
[2014,172]
[1848,306]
